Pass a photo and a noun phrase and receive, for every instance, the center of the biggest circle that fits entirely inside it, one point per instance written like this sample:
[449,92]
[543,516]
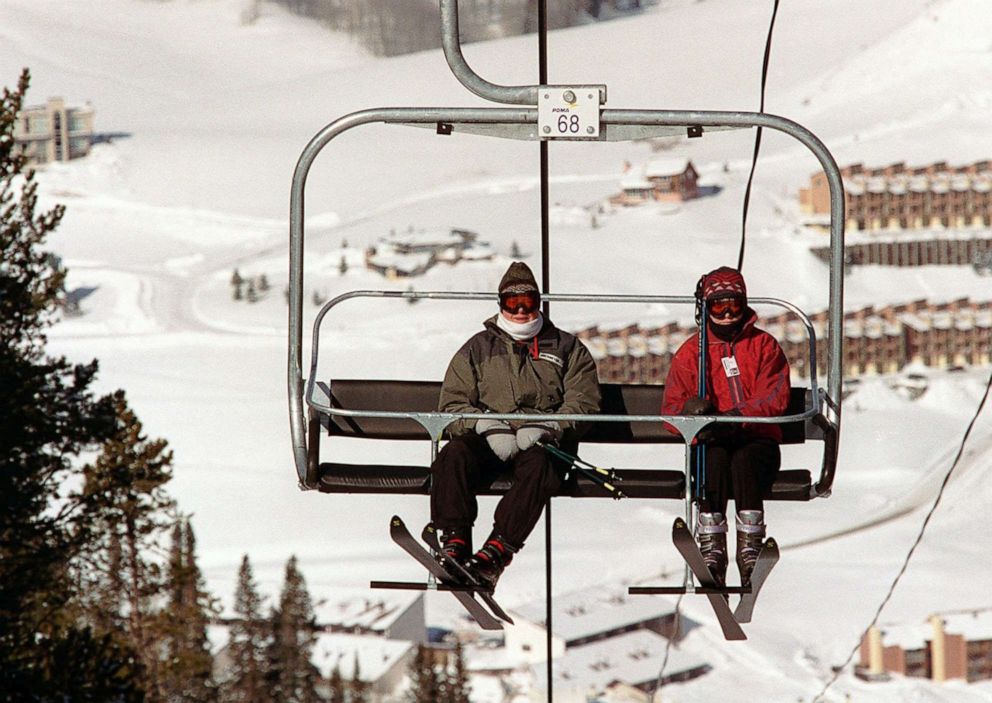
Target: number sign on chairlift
[568,112]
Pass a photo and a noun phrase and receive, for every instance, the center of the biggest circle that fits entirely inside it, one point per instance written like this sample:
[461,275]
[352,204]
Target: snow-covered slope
[212,115]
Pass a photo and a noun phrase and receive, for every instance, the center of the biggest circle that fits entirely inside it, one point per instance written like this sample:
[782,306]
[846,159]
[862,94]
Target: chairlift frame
[309,404]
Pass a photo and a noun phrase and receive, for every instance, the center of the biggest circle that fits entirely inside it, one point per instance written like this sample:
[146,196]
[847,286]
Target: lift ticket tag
[730,366]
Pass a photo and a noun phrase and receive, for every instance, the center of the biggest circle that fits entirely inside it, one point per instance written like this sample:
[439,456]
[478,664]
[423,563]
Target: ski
[767,559]
[429,535]
[686,544]
[401,535]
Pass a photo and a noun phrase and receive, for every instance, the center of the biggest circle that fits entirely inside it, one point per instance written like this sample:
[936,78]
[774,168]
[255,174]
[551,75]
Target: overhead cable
[916,543]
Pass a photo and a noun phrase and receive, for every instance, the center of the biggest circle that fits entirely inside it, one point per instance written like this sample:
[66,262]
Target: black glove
[698,406]
[721,432]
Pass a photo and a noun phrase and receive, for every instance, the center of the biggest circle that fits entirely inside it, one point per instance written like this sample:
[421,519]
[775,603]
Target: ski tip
[679,524]
[770,542]
[395,520]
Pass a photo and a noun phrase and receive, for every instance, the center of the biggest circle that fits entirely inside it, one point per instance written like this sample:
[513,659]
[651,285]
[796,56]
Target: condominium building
[54,131]
[899,197]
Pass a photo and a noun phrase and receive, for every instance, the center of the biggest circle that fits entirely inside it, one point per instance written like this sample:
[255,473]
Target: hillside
[213,116]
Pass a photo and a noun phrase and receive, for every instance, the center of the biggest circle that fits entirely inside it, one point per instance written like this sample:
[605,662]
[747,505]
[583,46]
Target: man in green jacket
[520,363]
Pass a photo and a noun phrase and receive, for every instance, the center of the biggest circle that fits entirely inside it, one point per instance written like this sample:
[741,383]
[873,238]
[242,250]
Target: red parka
[758,387]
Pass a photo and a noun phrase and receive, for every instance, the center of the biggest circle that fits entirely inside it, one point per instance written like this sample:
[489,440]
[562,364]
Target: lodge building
[664,180]
[896,197]
[882,340]
[949,646]
[54,131]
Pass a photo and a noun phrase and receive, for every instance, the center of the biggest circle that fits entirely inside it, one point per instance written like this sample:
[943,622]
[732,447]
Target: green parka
[552,373]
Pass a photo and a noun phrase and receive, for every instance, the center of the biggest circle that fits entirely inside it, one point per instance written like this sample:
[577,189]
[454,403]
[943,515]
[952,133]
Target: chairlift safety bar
[435,422]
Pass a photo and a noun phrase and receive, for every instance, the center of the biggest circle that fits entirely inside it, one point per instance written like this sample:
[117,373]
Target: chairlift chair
[406,410]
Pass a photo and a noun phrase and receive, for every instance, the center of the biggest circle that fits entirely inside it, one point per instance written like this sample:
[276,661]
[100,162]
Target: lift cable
[916,543]
[757,136]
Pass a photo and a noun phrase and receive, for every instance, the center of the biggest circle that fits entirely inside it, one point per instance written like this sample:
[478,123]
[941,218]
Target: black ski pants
[742,469]
[466,463]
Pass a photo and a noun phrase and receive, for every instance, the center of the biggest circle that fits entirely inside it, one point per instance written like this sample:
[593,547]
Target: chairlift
[395,409]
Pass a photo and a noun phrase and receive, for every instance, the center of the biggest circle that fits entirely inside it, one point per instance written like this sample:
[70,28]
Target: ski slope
[211,116]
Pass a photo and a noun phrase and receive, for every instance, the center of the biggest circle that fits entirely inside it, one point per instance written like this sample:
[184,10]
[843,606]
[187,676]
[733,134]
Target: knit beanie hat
[724,282]
[518,279]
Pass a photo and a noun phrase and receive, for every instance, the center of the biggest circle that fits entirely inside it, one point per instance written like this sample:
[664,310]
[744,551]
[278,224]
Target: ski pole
[580,462]
[701,373]
[594,473]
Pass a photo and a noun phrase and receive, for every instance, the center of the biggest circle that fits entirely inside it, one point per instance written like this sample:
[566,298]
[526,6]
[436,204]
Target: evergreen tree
[343,265]
[292,675]
[263,283]
[425,681]
[335,685]
[251,295]
[125,492]
[236,282]
[188,671]
[515,252]
[49,416]
[458,688]
[358,691]
[246,680]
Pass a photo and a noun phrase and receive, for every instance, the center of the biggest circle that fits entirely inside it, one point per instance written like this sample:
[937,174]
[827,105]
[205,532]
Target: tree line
[101,598]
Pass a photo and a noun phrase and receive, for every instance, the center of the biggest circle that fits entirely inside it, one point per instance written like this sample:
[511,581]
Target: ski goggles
[525,303]
[726,307]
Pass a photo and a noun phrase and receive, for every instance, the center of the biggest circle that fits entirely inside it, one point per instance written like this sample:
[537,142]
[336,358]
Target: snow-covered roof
[659,168]
[401,262]
[429,238]
[904,235]
[594,610]
[908,637]
[636,183]
[478,251]
[375,655]
[637,345]
[974,625]
[361,609]
[633,658]
[596,347]
[616,347]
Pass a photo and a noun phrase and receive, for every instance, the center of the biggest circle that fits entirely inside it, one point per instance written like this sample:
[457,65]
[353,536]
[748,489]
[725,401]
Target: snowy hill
[215,114]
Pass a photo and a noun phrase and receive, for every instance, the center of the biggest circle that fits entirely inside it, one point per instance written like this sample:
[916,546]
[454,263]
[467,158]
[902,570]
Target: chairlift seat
[422,396]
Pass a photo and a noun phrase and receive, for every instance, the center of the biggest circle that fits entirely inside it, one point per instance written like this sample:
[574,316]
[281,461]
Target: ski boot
[750,539]
[488,563]
[456,545]
[711,533]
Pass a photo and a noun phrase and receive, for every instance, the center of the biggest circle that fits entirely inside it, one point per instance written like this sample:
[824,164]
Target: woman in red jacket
[747,375]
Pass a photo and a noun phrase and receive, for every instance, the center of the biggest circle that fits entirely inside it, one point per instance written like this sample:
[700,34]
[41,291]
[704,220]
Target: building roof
[595,610]
[658,168]
[375,655]
[974,625]
[633,658]
[438,238]
[636,183]
[407,263]
[362,610]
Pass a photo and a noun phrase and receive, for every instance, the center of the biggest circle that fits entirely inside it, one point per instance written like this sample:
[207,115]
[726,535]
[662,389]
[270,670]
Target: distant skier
[747,375]
[520,363]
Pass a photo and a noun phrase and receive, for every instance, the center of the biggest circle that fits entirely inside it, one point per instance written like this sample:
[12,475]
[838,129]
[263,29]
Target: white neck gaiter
[520,330]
